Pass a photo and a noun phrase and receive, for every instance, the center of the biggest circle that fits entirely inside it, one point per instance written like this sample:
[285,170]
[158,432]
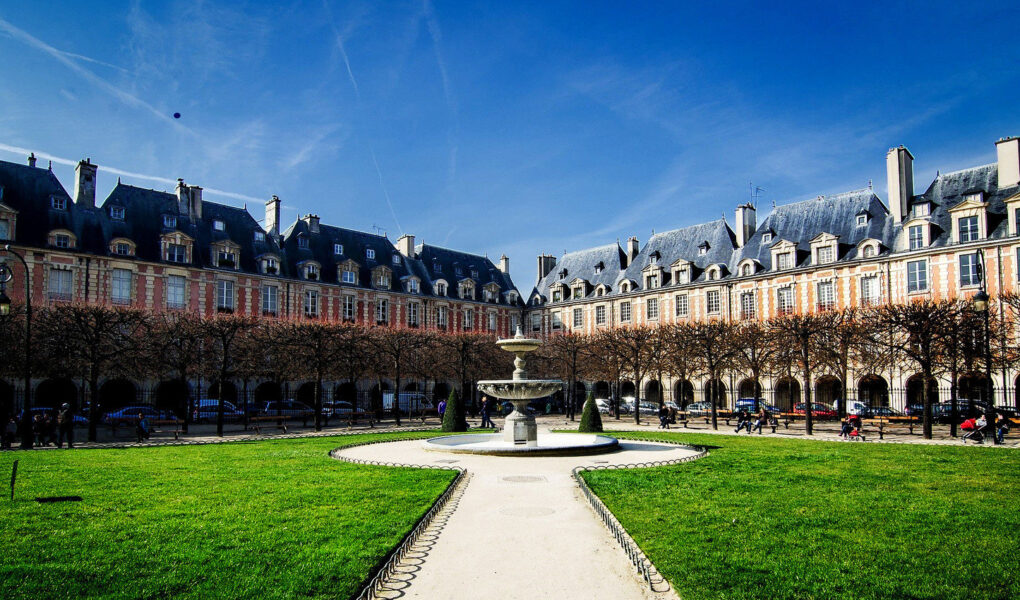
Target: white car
[603,405]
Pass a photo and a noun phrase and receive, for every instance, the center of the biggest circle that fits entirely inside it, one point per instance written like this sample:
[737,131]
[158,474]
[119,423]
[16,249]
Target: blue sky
[507,127]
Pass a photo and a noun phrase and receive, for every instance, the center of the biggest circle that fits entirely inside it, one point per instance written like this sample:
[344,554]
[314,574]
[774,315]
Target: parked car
[699,409]
[872,412]
[819,410]
[646,407]
[943,411]
[748,404]
[333,409]
[129,415]
[288,408]
[52,412]
[603,405]
[206,411]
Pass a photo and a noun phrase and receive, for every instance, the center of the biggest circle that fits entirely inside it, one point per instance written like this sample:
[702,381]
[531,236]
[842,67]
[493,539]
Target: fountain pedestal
[519,427]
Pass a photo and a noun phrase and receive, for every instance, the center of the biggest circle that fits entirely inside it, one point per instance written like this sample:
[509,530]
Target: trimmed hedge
[591,420]
[451,420]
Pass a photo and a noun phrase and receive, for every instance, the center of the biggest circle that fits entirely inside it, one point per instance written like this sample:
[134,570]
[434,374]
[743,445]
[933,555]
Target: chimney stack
[85,183]
[1008,151]
[504,264]
[899,171]
[405,245]
[195,193]
[313,223]
[31,160]
[632,250]
[183,199]
[273,216]
[546,264]
[746,223]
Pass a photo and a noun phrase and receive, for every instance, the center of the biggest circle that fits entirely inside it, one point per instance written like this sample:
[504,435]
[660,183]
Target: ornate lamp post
[6,274]
[980,302]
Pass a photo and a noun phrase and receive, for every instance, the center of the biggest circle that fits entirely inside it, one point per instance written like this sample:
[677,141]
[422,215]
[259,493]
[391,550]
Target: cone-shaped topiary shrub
[591,420]
[451,420]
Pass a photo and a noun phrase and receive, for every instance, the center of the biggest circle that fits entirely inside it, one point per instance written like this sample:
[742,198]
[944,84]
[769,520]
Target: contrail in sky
[343,51]
[386,194]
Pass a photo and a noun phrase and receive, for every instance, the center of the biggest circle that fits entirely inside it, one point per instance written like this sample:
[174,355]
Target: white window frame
[625,312]
[536,322]
[270,300]
[413,309]
[713,302]
[600,314]
[871,292]
[826,291]
[748,307]
[972,232]
[349,276]
[786,300]
[442,317]
[62,240]
[338,249]
[120,286]
[176,291]
[970,273]
[219,225]
[310,303]
[350,307]
[175,251]
[917,276]
[224,294]
[369,253]
[578,317]
[683,305]
[492,321]
[915,237]
[652,308]
[825,255]
[469,319]
[382,311]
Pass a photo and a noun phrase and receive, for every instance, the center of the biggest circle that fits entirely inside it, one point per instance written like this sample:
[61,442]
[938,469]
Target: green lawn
[775,518]
[272,519]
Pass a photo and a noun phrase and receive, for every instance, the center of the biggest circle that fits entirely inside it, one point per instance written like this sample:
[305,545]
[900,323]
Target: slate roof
[28,190]
[684,244]
[355,247]
[582,264]
[454,266]
[949,189]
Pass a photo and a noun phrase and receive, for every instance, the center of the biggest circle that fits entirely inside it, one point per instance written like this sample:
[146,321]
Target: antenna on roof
[869,184]
[378,230]
[755,194]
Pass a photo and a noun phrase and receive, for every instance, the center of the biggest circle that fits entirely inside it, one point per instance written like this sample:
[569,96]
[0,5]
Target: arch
[749,388]
[268,391]
[172,395]
[229,392]
[715,390]
[117,393]
[580,394]
[975,386]
[627,390]
[787,393]
[52,393]
[828,389]
[602,390]
[653,391]
[6,401]
[873,390]
[346,392]
[306,393]
[683,393]
[411,386]
[915,390]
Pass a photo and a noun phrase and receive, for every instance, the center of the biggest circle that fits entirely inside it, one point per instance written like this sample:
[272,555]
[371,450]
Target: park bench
[883,424]
[257,423]
[429,412]
[175,423]
[725,415]
[353,416]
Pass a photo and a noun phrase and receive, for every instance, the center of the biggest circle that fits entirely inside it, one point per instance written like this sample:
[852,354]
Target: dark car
[943,411]
[873,412]
[129,415]
[288,408]
[207,409]
[748,405]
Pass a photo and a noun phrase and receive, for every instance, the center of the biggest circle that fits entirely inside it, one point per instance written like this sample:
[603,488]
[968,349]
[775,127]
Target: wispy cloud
[315,143]
[121,172]
[66,59]
[451,102]
[340,46]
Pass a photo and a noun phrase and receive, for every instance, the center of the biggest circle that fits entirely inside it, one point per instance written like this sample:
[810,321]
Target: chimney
[405,245]
[546,264]
[183,198]
[1008,151]
[632,249]
[85,184]
[746,223]
[31,160]
[899,172]
[273,216]
[504,264]
[313,223]
[195,193]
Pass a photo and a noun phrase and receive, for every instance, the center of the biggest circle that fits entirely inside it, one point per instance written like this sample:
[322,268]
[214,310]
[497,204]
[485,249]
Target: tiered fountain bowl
[520,432]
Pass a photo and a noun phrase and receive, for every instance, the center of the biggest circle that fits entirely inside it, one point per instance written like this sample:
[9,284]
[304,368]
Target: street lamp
[980,303]
[6,275]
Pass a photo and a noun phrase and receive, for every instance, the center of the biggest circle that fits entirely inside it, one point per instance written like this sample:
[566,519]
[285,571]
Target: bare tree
[224,332]
[566,354]
[397,348]
[173,343]
[839,347]
[754,351]
[716,352]
[608,366]
[801,334]
[632,346]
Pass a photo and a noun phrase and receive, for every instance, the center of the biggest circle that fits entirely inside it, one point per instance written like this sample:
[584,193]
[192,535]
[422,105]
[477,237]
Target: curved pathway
[522,528]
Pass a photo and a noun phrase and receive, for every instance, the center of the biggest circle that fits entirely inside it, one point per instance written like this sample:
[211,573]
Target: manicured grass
[773,518]
[272,519]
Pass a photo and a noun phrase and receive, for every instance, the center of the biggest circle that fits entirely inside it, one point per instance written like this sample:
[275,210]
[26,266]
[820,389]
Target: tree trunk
[713,398]
[396,398]
[927,403]
[809,422]
[318,402]
[94,407]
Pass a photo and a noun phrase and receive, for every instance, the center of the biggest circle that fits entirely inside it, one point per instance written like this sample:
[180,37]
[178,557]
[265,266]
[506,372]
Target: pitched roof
[949,189]
[582,263]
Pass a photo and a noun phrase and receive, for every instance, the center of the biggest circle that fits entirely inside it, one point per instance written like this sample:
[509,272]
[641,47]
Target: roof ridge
[958,171]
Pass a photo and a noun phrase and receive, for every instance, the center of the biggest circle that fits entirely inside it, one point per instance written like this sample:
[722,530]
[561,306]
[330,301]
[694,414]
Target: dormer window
[396,259]
[713,274]
[437,267]
[312,272]
[474,273]
[825,255]
[682,275]
[169,221]
[766,238]
[177,253]
[226,259]
[916,237]
[703,249]
[62,240]
[653,258]
[58,203]
[467,290]
[349,276]
[557,295]
[598,268]
[219,225]
[382,280]
[785,261]
[869,251]
[412,286]
[440,289]
[338,249]
[260,236]
[747,270]
[122,249]
[922,209]
[270,266]
[302,242]
[862,220]
[117,213]
[652,281]
[369,254]
[968,229]
[563,273]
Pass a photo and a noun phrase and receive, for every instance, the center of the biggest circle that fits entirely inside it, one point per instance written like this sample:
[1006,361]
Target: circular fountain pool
[552,444]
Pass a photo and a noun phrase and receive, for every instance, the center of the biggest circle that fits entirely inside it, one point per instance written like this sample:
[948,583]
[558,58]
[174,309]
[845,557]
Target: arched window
[746,271]
[869,251]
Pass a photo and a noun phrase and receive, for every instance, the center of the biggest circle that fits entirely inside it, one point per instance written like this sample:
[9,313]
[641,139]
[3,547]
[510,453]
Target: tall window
[350,276]
[225,295]
[683,275]
[441,317]
[60,284]
[440,289]
[916,234]
[176,253]
[748,309]
[652,307]
[826,295]
[917,276]
[492,321]
[169,221]
[382,311]
[970,270]
[350,307]
[600,315]
[270,299]
[869,291]
[683,307]
[968,229]
[369,253]
[652,281]
[1016,220]
[784,300]
[121,290]
[412,286]
[338,249]
[825,255]
[412,314]
[557,321]
[515,322]
[625,312]
[469,319]
[175,285]
[785,260]
[536,322]
[712,302]
[5,229]
[556,295]
[578,317]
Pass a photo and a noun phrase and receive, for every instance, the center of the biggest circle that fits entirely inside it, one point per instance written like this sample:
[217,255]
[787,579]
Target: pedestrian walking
[1001,428]
[9,432]
[65,426]
[441,408]
[142,428]
[486,421]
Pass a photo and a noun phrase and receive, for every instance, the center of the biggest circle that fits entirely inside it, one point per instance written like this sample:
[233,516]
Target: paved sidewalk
[522,529]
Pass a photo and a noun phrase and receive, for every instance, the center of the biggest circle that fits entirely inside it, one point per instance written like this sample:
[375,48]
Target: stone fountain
[520,432]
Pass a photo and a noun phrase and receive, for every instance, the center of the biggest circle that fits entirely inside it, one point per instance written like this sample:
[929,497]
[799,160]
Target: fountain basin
[554,444]
[518,389]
